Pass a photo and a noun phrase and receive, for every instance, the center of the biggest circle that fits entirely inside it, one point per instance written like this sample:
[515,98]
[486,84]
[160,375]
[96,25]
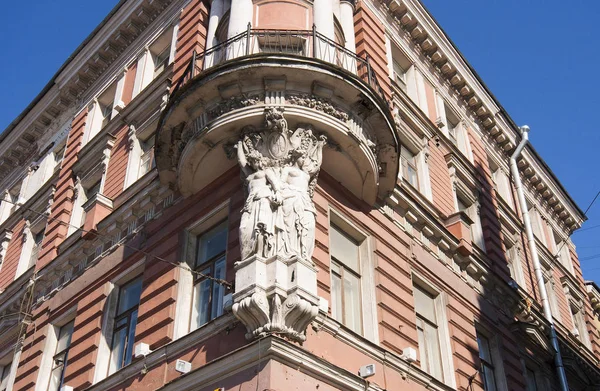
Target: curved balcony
[311,79]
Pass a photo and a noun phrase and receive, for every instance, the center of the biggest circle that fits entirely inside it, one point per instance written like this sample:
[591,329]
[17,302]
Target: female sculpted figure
[297,183]
[258,218]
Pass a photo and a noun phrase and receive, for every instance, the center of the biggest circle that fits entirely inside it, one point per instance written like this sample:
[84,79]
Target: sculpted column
[240,16]
[323,20]
[217,9]
[276,281]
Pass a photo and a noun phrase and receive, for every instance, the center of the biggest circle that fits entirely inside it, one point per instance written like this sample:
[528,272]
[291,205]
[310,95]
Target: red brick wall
[369,41]
[191,36]
[62,205]
[10,262]
[117,165]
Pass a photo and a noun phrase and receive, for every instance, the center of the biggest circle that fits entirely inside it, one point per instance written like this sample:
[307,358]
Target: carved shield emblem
[277,144]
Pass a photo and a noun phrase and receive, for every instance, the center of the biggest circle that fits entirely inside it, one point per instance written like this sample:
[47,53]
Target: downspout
[558,364]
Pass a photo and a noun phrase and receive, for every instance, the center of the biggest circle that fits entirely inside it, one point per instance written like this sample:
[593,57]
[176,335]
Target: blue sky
[539,58]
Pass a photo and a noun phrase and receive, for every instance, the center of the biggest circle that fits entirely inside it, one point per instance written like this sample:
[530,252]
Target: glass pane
[130,338]
[218,290]
[64,337]
[212,243]
[490,382]
[130,295]
[484,348]
[202,294]
[352,302]
[55,379]
[432,340]
[412,176]
[343,248]
[119,340]
[336,298]
[531,384]
[422,347]
[424,304]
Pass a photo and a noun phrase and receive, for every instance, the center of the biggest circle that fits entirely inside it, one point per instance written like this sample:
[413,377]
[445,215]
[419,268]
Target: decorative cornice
[411,17]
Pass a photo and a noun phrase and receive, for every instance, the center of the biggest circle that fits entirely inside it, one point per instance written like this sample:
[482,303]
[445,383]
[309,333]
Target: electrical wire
[136,249]
[584,229]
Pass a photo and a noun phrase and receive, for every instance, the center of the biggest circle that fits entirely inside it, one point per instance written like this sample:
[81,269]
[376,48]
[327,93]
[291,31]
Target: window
[535,379]
[401,73]
[487,364]
[536,222]
[472,210]
[502,182]
[514,263]
[37,245]
[124,323]
[549,284]
[579,330]
[345,279]
[160,51]
[59,361]
[147,162]
[561,251]
[4,375]
[428,333]
[210,261]
[408,164]
[101,112]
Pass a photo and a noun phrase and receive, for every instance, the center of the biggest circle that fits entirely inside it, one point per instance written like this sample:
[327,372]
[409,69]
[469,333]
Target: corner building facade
[270,195]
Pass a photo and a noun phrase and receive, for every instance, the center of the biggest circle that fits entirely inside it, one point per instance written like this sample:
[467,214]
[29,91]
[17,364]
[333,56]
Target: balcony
[311,79]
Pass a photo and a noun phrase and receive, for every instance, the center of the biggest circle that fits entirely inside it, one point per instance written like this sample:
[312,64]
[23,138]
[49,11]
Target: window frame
[494,351]
[65,354]
[131,315]
[343,269]
[366,266]
[440,306]
[200,267]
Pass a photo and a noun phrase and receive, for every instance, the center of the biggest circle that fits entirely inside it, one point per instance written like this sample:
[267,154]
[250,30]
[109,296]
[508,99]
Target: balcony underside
[205,118]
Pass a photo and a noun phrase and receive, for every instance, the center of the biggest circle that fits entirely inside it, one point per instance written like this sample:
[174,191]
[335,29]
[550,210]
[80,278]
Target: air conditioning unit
[439,122]
[575,332]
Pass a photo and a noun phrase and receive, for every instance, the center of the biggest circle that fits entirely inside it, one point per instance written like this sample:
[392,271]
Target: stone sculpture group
[276,290]
[280,167]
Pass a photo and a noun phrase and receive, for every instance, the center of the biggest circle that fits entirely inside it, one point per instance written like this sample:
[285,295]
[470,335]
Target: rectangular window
[428,333]
[399,75]
[345,279]
[552,297]
[37,245]
[514,263]
[408,164]
[4,375]
[472,210]
[487,364]
[210,263]
[125,322]
[147,162]
[60,359]
[160,50]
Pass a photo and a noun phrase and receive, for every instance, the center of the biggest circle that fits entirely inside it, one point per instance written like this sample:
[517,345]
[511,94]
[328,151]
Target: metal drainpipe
[558,364]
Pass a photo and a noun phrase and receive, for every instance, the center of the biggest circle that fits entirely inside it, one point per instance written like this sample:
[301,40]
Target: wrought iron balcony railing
[304,43]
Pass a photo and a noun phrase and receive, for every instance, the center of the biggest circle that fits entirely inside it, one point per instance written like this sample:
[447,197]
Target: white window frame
[105,362]
[95,116]
[145,69]
[185,283]
[440,302]
[14,357]
[551,293]
[369,322]
[471,202]
[495,346]
[137,139]
[30,231]
[52,332]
